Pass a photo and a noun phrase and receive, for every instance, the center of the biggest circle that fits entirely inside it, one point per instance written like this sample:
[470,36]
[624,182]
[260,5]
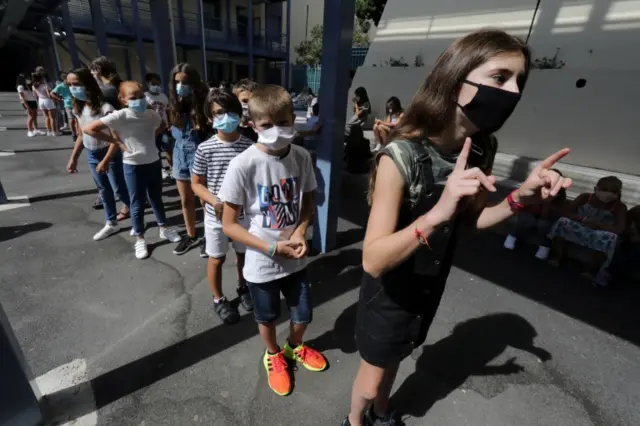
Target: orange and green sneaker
[312,359]
[278,373]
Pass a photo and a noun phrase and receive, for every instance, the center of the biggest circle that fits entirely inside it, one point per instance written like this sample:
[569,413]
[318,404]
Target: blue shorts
[183,155]
[294,288]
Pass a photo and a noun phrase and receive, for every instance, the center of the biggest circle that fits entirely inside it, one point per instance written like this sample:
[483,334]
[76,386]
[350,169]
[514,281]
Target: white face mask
[276,138]
[606,196]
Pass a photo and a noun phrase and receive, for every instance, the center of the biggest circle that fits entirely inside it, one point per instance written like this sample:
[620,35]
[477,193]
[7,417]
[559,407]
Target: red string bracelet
[422,239]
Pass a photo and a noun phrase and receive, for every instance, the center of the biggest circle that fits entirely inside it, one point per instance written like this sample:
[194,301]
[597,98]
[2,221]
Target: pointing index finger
[551,160]
[461,162]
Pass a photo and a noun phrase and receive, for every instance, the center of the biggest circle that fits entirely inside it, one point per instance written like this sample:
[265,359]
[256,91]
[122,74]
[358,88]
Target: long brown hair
[39,76]
[433,106]
[194,106]
[107,69]
[95,98]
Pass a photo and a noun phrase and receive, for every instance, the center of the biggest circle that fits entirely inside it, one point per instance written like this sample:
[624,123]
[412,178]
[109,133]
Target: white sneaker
[141,249]
[31,134]
[543,252]
[65,127]
[132,232]
[510,242]
[170,234]
[108,229]
[39,132]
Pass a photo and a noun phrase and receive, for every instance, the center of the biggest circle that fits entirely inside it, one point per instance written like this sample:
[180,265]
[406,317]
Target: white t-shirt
[137,130]
[270,190]
[42,90]
[158,102]
[28,94]
[87,117]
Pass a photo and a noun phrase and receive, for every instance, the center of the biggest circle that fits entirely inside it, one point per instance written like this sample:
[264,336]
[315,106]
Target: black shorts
[391,323]
[31,104]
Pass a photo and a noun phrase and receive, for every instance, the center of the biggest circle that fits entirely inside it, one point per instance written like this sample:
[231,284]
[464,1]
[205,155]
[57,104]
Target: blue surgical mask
[137,105]
[183,90]
[155,89]
[226,123]
[78,92]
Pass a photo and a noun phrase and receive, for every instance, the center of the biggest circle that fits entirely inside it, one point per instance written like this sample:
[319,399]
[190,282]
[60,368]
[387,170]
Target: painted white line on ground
[73,377]
[7,153]
[2,129]
[15,203]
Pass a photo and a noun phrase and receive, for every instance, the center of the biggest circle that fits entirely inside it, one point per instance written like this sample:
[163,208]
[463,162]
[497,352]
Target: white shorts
[217,243]
[46,104]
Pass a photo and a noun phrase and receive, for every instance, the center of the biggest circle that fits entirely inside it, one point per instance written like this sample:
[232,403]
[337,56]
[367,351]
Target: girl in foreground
[435,170]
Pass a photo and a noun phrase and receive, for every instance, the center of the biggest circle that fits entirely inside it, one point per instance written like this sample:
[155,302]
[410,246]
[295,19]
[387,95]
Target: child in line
[158,102]
[243,89]
[25,93]
[273,183]
[209,167]
[189,127]
[593,220]
[382,128]
[105,161]
[537,221]
[137,127]
[62,94]
[42,92]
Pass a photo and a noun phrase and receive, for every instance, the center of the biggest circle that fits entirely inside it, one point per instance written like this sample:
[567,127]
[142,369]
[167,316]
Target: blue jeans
[294,288]
[145,180]
[110,182]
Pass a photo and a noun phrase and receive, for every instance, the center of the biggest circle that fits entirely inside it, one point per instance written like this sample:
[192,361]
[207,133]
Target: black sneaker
[97,204]
[371,419]
[227,313]
[186,244]
[245,299]
[203,249]
[346,422]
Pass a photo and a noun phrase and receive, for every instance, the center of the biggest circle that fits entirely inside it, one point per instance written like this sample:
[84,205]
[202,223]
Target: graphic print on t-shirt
[280,203]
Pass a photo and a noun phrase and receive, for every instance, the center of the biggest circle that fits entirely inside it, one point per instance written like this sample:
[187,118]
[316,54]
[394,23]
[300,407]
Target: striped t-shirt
[212,160]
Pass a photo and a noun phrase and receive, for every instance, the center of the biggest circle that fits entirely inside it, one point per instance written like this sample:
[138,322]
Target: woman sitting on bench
[593,220]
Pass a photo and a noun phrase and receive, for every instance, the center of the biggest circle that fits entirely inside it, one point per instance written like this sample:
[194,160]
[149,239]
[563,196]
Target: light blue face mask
[227,123]
[155,89]
[183,90]
[78,92]
[137,105]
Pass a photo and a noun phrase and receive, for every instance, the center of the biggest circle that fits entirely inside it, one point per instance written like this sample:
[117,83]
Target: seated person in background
[627,257]
[382,128]
[537,222]
[361,110]
[593,221]
[312,129]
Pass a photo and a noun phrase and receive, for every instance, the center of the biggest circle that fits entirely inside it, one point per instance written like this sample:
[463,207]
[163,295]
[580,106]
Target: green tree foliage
[309,52]
[369,10]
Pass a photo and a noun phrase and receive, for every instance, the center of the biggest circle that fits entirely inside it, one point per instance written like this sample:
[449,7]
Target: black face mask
[490,107]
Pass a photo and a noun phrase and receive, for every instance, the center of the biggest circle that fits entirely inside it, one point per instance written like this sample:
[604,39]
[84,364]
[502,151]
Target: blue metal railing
[219,34]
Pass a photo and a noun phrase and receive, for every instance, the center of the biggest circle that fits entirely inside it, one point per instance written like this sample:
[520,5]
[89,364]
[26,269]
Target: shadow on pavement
[445,365]
[342,273]
[61,195]
[11,232]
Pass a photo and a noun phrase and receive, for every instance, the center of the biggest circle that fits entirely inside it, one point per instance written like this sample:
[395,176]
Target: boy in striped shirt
[209,167]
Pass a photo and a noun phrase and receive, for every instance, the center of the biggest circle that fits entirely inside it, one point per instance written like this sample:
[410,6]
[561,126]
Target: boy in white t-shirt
[209,167]
[273,183]
[137,127]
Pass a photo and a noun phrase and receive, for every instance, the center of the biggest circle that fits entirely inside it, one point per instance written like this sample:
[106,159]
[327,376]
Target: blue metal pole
[203,41]
[228,13]
[99,28]
[71,37]
[337,38]
[181,24]
[135,17]
[163,39]
[250,36]
[127,65]
[287,61]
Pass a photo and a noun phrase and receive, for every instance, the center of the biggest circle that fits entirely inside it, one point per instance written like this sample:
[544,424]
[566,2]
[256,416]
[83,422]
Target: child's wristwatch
[515,206]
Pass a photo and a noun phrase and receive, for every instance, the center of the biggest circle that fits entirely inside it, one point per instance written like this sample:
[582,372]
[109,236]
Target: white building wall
[597,41]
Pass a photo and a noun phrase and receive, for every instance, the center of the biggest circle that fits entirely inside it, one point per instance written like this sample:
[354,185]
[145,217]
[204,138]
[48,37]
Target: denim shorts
[294,288]
[183,155]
